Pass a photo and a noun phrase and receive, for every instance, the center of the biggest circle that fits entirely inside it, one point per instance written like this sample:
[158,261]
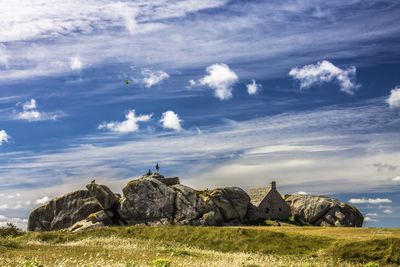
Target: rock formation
[63,212]
[150,201]
[324,211]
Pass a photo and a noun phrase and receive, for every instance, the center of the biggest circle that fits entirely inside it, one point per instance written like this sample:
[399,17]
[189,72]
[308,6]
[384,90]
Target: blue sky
[219,92]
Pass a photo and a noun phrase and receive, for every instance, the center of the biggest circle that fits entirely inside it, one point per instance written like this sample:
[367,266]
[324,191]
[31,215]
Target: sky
[219,93]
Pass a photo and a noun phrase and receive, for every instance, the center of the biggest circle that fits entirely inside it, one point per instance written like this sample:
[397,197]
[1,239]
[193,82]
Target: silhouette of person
[149,172]
[157,168]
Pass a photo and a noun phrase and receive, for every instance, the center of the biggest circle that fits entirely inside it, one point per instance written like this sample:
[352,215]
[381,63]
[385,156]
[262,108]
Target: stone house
[272,206]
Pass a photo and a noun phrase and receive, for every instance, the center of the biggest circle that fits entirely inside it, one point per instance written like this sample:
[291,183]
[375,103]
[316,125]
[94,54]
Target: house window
[280,209]
[267,210]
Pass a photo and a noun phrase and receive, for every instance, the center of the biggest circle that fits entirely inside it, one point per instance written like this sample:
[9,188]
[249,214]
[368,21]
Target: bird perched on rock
[93,181]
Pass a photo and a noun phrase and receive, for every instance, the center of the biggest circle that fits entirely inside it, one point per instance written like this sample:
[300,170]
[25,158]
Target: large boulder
[147,201]
[62,212]
[231,201]
[104,196]
[189,205]
[324,211]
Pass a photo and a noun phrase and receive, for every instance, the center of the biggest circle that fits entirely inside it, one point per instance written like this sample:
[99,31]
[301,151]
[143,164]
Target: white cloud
[3,206]
[30,113]
[395,179]
[128,15]
[372,214]
[302,193]
[220,78]
[4,56]
[253,87]
[76,63]
[394,98]
[4,137]
[170,120]
[369,200]
[151,78]
[42,200]
[325,71]
[19,222]
[369,219]
[388,211]
[29,105]
[129,125]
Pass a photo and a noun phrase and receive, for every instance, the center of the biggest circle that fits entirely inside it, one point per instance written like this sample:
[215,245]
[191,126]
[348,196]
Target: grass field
[205,246]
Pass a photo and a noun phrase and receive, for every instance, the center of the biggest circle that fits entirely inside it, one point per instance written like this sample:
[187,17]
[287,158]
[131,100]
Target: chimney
[273,185]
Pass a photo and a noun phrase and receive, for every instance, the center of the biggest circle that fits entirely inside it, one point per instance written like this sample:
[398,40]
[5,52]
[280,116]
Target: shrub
[161,263]
[10,230]
[8,242]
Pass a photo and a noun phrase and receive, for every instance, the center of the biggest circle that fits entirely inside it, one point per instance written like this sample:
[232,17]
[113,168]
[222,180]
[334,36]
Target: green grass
[205,246]
[214,238]
[384,251]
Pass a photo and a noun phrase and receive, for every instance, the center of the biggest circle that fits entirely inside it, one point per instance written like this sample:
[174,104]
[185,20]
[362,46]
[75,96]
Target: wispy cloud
[230,152]
[220,78]
[394,98]
[325,71]
[99,31]
[151,78]
[369,219]
[130,125]
[42,200]
[19,222]
[171,120]
[369,200]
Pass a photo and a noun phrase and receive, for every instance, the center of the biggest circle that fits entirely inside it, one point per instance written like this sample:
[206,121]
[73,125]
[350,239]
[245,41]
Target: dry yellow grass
[140,246]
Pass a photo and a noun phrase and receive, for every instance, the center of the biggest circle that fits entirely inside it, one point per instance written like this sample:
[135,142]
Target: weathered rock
[188,205]
[324,211]
[252,215]
[62,212]
[146,200]
[231,201]
[85,224]
[104,196]
[211,218]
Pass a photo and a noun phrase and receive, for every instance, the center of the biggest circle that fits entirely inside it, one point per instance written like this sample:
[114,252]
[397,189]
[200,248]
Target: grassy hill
[205,246]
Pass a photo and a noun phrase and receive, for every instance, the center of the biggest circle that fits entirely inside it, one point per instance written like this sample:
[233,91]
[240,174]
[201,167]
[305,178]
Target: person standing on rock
[157,168]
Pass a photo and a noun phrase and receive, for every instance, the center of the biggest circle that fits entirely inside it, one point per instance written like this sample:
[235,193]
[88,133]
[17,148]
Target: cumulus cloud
[253,87]
[369,200]
[4,137]
[388,211]
[394,98]
[323,72]
[372,214]
[395,179]
[42,200]
[369,219]
[220,78]
[170,120]
[30,113]
[130,125]
[151,78]
[76,63]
